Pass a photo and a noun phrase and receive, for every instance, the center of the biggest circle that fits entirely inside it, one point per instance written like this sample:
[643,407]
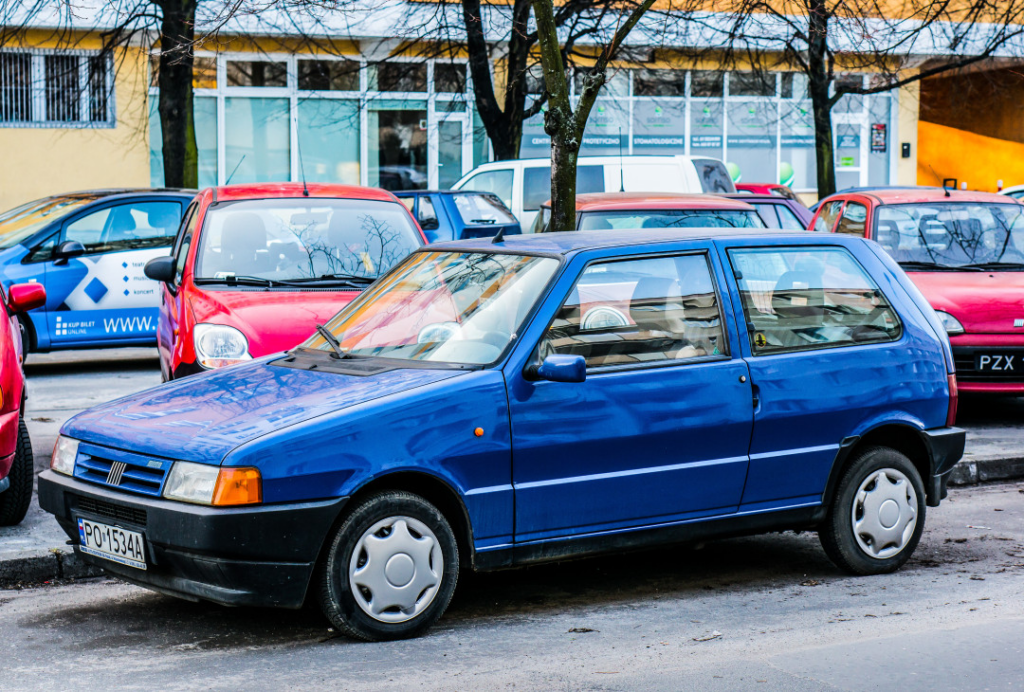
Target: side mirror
[67,250]
[25,297]
[430,224]
[560,368]
[160,269]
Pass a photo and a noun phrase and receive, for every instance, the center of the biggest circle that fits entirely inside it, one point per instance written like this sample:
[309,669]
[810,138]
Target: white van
[525,184]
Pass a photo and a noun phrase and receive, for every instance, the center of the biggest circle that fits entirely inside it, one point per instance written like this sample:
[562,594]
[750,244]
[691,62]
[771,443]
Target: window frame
[709,257]
[741,311]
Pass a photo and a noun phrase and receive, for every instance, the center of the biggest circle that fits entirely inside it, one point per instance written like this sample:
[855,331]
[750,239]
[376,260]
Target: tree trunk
[818,83]
[177,31]
[565,150]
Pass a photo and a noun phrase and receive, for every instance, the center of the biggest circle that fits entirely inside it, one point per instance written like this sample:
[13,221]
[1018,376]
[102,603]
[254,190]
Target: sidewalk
[65,383]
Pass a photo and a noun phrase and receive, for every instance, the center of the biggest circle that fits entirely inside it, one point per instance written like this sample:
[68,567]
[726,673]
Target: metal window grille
[15,87]
[98,89]
[63,95]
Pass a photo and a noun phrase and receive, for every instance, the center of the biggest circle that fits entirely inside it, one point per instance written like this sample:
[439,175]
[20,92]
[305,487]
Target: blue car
[459,214]
[489,405]
[88,249]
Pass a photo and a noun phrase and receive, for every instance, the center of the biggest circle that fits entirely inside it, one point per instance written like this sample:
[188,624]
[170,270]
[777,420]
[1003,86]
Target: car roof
[414,193]
[911,195]
[575,241]
[117,191]
[650,201]
[231,193]
[756,197]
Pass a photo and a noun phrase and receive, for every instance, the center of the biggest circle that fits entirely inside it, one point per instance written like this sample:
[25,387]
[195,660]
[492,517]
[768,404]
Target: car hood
[272,321]
[203,417]
[984,302]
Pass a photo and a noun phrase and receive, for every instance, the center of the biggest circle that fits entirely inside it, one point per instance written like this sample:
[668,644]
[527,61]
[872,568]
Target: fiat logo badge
[1018,323]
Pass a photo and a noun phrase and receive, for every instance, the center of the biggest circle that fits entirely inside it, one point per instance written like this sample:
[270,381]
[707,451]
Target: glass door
[397,146]
[850,139]
[452,146]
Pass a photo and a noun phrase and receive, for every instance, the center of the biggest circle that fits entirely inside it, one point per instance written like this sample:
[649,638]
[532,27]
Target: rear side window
[537,184]
[134,226]
[714,177]
[498,182]
[767,214]
[789,220]
[807,298]
[853,220]
[827,219]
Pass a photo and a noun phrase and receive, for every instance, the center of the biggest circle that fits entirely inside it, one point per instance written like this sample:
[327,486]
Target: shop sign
[706,141]
[847,162]
[752,141]
[879,138]
[797,141]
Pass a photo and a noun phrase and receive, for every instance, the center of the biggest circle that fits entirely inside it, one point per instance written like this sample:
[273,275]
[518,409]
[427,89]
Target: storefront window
[706,119]
[449,78]
[880,141]
[329,140]
[257,144]
[204,109]
[751,142]
[398,76]
[659,126]
[257,73]
[752,84]
[706,83]
[328,75]
[797,167]
[397,147]
[659,83]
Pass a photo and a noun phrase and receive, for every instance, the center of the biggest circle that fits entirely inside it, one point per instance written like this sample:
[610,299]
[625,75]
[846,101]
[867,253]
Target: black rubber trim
[945,448]
[186,369]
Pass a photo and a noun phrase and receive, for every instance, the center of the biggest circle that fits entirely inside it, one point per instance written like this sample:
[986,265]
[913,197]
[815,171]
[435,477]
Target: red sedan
[965,251]
[255,268]
[629,210]
[16,463]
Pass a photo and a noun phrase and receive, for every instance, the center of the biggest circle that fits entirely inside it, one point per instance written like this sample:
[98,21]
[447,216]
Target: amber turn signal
[238,486]
[479,432]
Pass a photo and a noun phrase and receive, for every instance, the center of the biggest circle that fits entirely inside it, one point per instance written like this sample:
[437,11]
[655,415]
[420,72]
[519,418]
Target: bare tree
[899,43]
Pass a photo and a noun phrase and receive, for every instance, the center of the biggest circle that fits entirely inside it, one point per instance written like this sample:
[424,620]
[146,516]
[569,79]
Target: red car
[628,210]
[767,189]
[965,251]
[16,463]
[255,268]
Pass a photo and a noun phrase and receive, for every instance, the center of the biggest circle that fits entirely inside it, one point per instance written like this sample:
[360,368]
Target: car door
[171,299]
[103,297]
[825,348]
[658,432]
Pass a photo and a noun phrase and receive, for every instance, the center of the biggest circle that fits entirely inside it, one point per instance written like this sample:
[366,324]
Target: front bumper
[946,448]
[255,556]
[969,379]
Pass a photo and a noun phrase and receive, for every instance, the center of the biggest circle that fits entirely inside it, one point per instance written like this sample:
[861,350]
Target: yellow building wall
[40,161]
[908,106]
[980,161]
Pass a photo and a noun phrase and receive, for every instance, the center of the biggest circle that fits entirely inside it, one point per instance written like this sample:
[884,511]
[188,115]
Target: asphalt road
[757,613]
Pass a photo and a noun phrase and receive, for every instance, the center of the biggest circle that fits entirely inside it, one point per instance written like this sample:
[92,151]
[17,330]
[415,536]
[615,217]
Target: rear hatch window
[713,176]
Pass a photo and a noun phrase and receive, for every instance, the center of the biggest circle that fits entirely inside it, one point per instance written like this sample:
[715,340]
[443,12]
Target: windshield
[482,209]
[443,306]
[304,240]
[947,234]
[21,222]
[670,218]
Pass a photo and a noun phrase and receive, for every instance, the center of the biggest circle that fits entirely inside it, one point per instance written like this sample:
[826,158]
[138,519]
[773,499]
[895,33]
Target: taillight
[951,412]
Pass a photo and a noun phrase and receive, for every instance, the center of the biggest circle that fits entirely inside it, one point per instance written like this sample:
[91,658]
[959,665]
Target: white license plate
[111,543]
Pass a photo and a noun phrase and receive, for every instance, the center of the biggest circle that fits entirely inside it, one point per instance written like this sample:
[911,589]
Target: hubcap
[884,513]
[396,569]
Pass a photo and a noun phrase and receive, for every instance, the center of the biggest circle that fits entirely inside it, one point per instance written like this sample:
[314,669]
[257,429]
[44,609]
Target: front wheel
[390,568]
[15,500]
[877,514]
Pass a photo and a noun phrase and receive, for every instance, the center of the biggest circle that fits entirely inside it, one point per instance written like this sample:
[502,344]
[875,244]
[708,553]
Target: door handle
[755,396]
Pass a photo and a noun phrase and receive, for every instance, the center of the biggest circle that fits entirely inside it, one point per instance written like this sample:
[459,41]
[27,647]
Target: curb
[974,471]
[35,568]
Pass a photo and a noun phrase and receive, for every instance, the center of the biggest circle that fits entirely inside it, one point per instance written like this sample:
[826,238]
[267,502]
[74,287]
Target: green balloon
[734,172]
[786,173]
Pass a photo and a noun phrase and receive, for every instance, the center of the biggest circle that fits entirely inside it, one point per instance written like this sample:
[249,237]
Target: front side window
[303,241]
[788,220]
[498,182]
[854,220]
[953,235]
[670,218]
[639,311]
[446,307]
[135,226]
[798,299]
[827,218]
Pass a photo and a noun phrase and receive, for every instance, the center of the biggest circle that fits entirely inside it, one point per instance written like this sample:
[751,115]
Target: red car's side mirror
[25,297]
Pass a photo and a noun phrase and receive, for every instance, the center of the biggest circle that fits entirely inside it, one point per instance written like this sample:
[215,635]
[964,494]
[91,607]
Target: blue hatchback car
[88,249]
[498,404]
[459,214]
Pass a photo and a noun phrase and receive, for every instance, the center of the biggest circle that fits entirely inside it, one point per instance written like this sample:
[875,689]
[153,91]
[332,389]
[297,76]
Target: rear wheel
[877,515]
[390,569]
[15,500]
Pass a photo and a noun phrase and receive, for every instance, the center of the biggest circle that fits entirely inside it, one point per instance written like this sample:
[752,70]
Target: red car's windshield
[951,235]
[295,240]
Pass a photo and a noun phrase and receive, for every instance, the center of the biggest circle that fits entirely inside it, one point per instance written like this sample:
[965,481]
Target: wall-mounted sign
[879,138]
[752,141]
[705,141]
[797,141]
[846,162]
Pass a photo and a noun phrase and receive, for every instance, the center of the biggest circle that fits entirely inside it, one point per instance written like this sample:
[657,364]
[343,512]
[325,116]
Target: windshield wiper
[236,280]
[487,221]
[349,279]
[329,338]
[994,265]
[934,266]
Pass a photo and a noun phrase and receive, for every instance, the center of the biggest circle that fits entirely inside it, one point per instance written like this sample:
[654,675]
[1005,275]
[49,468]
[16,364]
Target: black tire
[837,534]
[15,500]
[337,600]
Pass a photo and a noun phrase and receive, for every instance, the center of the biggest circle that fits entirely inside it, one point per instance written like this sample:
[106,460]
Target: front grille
[112,511]
[964,359]
[122,470]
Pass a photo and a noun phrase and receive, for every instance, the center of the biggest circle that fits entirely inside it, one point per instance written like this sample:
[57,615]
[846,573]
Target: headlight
[202,484]
[218,345]
[64,454]
[950,323]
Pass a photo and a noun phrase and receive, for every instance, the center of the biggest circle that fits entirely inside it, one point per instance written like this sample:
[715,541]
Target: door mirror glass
[25,297]
[68,249]
[561,368]
[160,269]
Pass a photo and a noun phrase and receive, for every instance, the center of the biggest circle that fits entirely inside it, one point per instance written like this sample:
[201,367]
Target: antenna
[622,174]
[302,169]
[948,183]
[235,170]
[499,237]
